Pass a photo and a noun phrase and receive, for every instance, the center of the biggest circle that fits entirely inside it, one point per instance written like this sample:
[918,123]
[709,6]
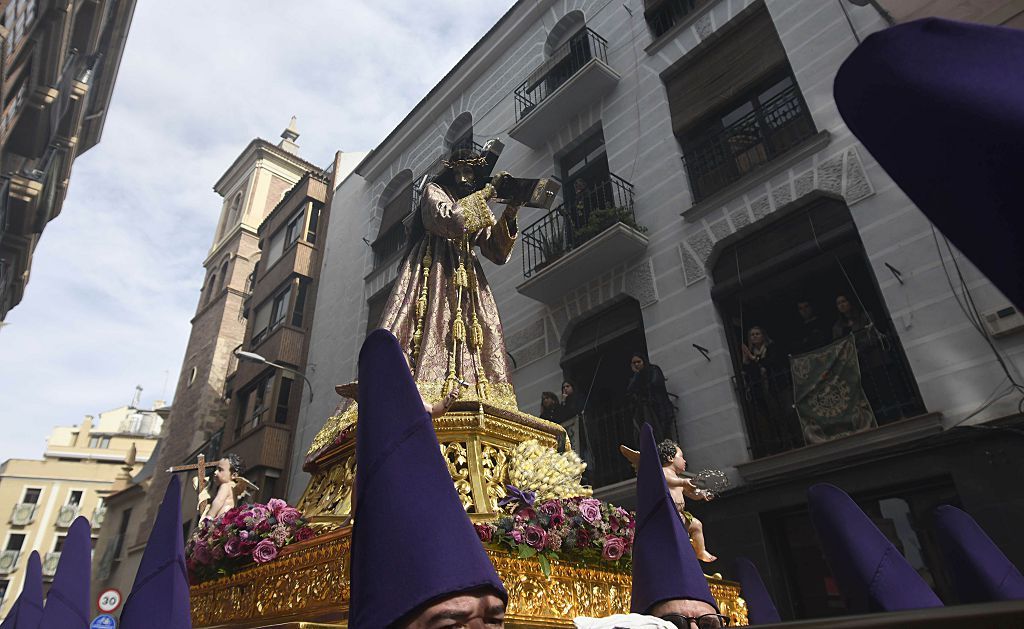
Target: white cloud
[116,277]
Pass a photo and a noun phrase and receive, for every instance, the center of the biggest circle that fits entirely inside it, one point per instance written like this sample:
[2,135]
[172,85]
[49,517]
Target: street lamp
[252,357]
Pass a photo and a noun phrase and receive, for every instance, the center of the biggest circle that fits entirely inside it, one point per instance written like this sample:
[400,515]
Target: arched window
[236,207]
[210,287]
[224,280]
[460,132]
[567,27]
[396,203]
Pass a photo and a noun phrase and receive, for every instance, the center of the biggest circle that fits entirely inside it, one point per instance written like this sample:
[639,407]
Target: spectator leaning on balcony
[647,390]
[572,405]
[550,409]
[768,389]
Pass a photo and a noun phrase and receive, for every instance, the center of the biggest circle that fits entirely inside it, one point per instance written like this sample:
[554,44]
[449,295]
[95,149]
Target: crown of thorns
[469,161]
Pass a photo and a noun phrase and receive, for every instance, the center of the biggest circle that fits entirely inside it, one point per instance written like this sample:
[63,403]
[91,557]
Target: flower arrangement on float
[551,516]
[248,533]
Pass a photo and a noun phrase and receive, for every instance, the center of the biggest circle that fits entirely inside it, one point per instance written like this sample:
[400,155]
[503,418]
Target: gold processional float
[483,436]
[307,585]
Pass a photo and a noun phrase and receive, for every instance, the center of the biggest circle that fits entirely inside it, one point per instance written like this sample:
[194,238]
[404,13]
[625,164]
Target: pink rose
[276,504]
[232,547]
[590,509]
[582,538]
[484,532]
[535,537]
[201,553]
[288,515]
[614,547]
[554,511]
[517,536]
[265,551]
[259,512]
[305,533]
[526,514]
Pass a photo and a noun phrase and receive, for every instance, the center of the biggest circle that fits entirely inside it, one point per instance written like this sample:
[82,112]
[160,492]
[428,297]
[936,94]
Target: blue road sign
[103,621]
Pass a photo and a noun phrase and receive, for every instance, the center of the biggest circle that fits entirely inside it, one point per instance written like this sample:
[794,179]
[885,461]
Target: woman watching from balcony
[769,392]
[647,390]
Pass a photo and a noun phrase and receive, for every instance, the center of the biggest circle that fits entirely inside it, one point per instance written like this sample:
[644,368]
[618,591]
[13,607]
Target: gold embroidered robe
[430,274]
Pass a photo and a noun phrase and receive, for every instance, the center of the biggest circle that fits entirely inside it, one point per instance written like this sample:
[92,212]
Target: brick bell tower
[250,188]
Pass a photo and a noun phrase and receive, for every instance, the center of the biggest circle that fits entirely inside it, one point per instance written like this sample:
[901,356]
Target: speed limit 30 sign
[109,600]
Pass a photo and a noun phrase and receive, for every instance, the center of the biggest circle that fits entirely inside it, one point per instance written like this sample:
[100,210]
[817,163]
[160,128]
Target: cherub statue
[672,465]
[231,489]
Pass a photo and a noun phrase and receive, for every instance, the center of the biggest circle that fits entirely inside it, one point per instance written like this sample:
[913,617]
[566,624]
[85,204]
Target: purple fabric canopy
[940,105]
[67,602]
[160,596]
[412,542]
[28,609]
[871,573]
[664,564]
[760,606]
[980,571]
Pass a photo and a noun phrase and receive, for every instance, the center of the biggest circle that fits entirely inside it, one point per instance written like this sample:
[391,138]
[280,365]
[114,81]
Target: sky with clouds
[116,276]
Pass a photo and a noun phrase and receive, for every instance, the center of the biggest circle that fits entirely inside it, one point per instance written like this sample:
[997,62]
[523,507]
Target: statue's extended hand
[499,178]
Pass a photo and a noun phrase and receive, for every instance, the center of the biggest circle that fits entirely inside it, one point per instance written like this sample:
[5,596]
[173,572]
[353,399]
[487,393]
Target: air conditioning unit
[1003,322]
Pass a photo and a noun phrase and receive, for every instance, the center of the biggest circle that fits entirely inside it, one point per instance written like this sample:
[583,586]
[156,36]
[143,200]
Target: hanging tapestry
[827,392]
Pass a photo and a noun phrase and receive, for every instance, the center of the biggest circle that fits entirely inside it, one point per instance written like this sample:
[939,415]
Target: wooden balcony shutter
[736,57]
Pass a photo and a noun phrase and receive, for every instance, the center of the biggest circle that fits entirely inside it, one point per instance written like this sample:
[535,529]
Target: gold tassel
[461,279]
[476,337]
[459,327]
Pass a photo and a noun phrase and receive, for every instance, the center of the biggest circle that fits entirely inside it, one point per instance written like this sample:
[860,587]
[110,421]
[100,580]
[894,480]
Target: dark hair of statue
[235,463]
[667,451]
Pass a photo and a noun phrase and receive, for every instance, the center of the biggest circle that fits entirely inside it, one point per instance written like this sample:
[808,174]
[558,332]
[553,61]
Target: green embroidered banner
[827,392]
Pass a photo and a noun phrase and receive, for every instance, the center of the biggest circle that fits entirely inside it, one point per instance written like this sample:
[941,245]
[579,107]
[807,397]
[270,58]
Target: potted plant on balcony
[603,218]
[551,248]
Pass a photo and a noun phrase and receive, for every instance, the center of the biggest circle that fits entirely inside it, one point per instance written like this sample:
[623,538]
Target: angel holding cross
[232,487]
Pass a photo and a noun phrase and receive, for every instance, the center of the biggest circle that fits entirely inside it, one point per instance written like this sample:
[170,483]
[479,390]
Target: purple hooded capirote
[980,571]
[940,105]
[871,573]
[664,564]
[28,609]
[160,598]
[760,606]
[412,542]
[67,602]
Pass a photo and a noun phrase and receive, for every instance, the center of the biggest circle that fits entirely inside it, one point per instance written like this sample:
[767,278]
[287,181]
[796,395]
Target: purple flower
[258,513]
[265,551]
[517,535]
[232,547]
[201,553]
[590,509]
[535,537]
[484,531]
[553,509]
[279,535]
[305,533]
[289,515]
[276,504]
[613,549]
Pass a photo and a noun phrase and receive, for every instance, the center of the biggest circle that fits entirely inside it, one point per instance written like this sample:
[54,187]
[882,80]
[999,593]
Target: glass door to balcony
[586,181]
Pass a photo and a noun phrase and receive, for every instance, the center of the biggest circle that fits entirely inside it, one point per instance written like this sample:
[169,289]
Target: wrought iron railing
[669,13]
[23,514]
[602,204]
[9,561]
[602,431]
[767,397]
[389,244]
[66,516]
[50,562]
[721,156]
[564,62]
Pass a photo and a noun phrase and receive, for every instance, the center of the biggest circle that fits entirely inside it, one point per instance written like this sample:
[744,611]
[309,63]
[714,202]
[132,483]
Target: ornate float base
[307,586]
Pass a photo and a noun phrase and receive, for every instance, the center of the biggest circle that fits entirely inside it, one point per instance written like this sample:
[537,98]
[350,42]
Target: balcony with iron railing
[574,76]
[24,513]
[50,562]
[9,561]
[721,156]
[570,246]
[66,516]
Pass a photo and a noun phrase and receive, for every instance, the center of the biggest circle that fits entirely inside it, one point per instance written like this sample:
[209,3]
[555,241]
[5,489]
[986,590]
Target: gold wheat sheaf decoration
[549,473]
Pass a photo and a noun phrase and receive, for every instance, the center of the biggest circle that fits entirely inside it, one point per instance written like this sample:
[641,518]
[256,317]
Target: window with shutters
[396,205]
[735,104]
